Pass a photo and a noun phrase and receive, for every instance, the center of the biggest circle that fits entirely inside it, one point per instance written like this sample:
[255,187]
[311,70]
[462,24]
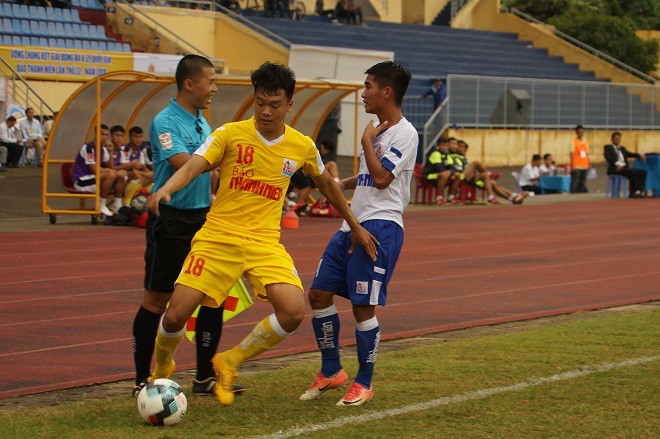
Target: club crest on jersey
[289,167]
[362,287]
[165,140]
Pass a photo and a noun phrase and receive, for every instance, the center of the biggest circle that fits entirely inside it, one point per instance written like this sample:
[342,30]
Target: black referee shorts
[168,243]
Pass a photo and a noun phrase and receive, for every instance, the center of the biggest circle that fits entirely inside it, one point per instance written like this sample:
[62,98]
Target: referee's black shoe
[205,387]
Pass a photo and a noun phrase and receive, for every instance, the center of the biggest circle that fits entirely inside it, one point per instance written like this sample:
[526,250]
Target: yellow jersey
[254,177]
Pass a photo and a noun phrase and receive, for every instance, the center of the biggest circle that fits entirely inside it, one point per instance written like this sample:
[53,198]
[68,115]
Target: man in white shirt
[530,175]
[548,166]
[10,137]
[33,135]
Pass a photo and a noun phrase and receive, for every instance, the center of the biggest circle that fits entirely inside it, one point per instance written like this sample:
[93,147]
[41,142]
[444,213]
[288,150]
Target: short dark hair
[10,119]
[116,128]
[546,155]
[579,127]
[451,138]
[536,157]
[329,145]
[28,109]
[443,140]
[135,130]
[616,133]
[190,67]
[104,126]
[273,77]
[464,143]
[393,74]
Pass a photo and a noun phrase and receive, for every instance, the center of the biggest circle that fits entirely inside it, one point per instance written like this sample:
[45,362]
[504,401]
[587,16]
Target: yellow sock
[166,344]
[266,335]
[132,187]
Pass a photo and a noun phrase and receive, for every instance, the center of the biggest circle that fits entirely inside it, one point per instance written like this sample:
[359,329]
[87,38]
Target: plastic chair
[423,186]
[516,178]
[615,185]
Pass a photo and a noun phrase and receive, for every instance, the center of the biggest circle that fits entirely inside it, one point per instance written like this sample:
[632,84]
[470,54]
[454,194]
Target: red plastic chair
[428,190]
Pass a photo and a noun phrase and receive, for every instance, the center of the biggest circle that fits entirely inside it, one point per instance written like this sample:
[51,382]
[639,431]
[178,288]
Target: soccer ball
[139,202]
[162,402]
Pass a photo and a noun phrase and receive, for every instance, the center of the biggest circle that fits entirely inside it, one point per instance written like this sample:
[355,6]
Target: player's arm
[178,160]
[181,178]
[348,183]
[379,174]
[333,193]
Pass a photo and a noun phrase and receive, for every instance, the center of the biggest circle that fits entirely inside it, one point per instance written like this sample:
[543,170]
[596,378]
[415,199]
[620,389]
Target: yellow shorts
[217,260]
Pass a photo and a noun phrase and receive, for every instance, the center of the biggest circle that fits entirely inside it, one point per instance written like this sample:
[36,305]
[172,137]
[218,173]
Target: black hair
[135,130]
[579,127]
[616,133]
[190,67]
[329,145]
[451,138]
[536,157]
[104,126]
[28,109]
[464,143]
[394,75]
[10,119]
[116,128]
[443,140]
[546,155]
[273,77]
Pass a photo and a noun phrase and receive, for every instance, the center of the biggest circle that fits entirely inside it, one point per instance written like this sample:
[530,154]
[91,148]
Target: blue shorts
[355,276]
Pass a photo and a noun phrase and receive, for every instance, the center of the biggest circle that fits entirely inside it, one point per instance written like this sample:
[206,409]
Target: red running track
[68,298]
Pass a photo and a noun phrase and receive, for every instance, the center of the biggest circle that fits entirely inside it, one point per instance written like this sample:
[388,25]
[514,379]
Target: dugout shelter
[134,98]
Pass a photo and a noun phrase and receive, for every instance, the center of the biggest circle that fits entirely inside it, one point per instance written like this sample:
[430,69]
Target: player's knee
[319,299]
[172,322]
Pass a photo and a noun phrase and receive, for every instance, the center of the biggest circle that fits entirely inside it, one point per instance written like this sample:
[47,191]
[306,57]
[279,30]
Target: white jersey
[397,149]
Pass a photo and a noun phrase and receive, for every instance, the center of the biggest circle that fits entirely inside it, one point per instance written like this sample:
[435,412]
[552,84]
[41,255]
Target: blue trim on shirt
[396,152]
[387,164]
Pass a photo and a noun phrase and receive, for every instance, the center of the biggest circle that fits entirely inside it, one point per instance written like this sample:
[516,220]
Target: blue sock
[367,336]
[326,328]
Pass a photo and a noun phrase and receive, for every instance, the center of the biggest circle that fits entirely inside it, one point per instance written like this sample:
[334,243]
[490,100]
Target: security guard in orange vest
[579,161]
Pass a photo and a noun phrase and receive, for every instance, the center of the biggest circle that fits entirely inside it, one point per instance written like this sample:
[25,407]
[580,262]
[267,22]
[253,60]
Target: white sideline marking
[468,396]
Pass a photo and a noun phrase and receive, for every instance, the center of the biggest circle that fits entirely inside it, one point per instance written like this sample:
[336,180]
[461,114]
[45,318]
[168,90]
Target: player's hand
[360,236]
[372,130]
[157,198]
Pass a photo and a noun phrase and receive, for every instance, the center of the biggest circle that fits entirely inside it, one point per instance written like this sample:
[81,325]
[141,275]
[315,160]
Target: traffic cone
[290,220]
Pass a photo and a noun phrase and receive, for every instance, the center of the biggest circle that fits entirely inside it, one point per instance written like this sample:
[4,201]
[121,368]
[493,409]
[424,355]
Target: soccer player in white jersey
[382,190]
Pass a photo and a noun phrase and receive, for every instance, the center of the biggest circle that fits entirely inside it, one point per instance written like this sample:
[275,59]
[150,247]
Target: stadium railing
[21,92]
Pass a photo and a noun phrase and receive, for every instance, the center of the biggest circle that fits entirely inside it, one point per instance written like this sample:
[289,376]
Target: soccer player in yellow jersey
[241,235]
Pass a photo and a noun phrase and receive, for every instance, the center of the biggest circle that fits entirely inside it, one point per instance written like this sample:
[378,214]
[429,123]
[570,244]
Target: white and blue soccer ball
[139,202]
[162,402]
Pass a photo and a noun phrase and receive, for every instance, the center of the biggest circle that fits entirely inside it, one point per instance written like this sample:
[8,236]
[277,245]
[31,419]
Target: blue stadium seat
[69,43]
[77,44]
[77,3]
[7,10]
[52,30]
[52,42]
[43,42]
[126,47]
[103,45]
[25,41]
[66,15]
[7,26]
[2,27]
[25,11]
[86,45]
[84,30]
[61,43]
[59,29]
[94,45]
[58,14]
[16,40]
[68,29]
[34,27]
[34,41]
[17,26]
[16,11]
[25,27]
[43,28]
[50,13]
[40,13]
[75,17]
[6,40]
[75,30]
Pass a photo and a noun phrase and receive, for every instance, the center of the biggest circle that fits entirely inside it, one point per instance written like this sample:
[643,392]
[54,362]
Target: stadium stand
[22,25]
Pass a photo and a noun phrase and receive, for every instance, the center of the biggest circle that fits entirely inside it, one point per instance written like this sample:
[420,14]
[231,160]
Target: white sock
[513,196]
[102,201]
[490,197]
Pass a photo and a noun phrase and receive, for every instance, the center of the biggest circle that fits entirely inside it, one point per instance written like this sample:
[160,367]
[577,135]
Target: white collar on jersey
[269,142]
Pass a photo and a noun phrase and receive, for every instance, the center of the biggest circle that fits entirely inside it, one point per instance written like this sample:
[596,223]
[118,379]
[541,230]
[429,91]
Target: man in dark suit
[617,163]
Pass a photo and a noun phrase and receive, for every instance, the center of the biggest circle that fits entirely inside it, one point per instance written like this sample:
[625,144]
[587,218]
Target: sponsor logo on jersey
[295,271]
[289,167]
[365,180]
[165,140]
[256,187]
[362,287]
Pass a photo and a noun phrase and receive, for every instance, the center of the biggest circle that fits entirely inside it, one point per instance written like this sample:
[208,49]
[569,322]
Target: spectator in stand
[328,157]
[10,136]
[548,166]
[355,12]
[330,13]
[342,12]
[530,175]
[33,135]
[579,148]
[438,169]
[438,91]
[84,173]
[230,4]
[617,164]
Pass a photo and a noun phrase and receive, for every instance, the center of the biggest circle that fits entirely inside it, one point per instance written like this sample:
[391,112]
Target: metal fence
[490,102]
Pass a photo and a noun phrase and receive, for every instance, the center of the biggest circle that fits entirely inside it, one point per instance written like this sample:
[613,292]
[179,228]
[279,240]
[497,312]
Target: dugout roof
[134,98]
